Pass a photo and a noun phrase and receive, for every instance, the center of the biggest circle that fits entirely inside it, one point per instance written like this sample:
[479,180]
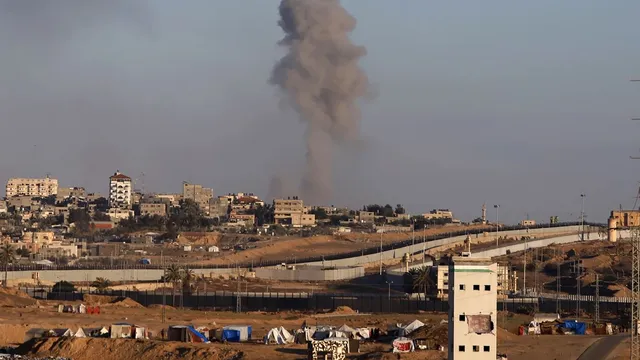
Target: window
[461,317]
[487,348]
[461,286]
[476,287]
[476,348]
[445,274]
[461,348]
[487,288]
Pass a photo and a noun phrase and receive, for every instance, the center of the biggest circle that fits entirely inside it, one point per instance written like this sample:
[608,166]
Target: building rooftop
[463,260]
[119,175]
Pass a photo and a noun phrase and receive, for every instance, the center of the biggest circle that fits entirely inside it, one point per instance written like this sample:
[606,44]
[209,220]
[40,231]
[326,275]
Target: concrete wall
[419,247]
[311,273]
[111,275]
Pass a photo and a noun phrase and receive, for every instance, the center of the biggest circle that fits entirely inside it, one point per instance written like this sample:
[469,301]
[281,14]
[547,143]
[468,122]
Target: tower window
[476,287]
[487,348]
[461,348]
[476,348]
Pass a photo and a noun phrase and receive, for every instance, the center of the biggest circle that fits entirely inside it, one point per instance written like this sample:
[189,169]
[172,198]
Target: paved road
[603,347]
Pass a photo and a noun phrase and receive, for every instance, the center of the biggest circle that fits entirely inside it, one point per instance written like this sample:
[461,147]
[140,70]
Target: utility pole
[578,270]
[635,285]
[381,249]
[497,207]
[597,305]
[238,298]
[524,268]
[582,217]
[558,287]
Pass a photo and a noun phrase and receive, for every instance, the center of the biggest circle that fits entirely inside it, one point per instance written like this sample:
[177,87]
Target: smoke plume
[322,81]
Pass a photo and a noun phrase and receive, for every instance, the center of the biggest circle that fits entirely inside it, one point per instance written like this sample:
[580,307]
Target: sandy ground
[14,322]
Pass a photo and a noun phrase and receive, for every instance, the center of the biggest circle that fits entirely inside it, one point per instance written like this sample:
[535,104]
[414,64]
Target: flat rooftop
[463,260]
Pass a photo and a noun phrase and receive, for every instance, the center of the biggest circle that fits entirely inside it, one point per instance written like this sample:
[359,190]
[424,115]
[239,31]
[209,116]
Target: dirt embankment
[116,301]
[15,298]
[124,349]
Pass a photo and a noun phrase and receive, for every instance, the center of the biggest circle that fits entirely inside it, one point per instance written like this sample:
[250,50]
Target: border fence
[317,302]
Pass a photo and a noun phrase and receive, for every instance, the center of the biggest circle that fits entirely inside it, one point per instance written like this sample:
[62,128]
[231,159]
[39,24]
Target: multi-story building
[528,222]
[507,281]
[173,199]
[120,191]
[72,192]
[151,209]
[292,212]
[366,216]
[40,237]
[3,207]
[472,309]
[32,187]
[199,194]
[626,218]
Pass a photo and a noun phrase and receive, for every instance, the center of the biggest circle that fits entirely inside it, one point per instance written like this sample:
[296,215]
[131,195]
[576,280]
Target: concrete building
[120,191]
[527,222]
[72,192]
[199,194]
[438,214]
[173,199]
[626,218]
[38,237]
[472,309]
[246,219]
[20,202]
[58,249]
[292,212]
[151,209]
[117,214]
[31,187]
[366,217]
[3,207]
[507,281]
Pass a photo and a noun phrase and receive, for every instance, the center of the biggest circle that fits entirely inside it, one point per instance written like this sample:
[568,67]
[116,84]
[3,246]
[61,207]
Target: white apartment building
[292,212]
[472,309]
[31,187]
[120,191]
[506,281]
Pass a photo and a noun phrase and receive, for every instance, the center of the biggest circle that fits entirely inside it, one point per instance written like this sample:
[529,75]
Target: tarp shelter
[81,333]
[186,334]
[278,336]
[96,332]
[35,333]
[579,328]
[415,325]
[362,333]
[82,309]
[546,317]
[236,333]
[127,331]
[347,329]
[403,345]
[60,333]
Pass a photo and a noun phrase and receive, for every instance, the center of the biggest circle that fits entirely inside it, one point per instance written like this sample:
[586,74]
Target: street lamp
[389,296]
[382,232]
[497,207]
[582,217]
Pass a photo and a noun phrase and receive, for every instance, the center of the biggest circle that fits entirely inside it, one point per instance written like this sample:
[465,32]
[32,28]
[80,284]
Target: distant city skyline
[526,105]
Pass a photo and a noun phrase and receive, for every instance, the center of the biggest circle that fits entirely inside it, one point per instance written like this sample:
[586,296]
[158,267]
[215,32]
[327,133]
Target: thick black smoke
[323,82]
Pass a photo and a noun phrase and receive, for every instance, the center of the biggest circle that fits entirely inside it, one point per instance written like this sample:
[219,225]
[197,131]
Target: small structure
[213,249]
[335,348]
[186,334]
[546,317]
[127,331]
[187,248]
[236,333]
[278,336]
[403,345]
[413,326]
[60,333]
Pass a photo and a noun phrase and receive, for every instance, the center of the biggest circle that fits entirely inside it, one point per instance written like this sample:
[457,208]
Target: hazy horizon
[526,105]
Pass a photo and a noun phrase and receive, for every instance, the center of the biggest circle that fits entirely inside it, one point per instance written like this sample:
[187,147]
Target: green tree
[81,219]
[7,256]
[23,252]
[387,211]
[173,274]
[400,210]
[422,280]
[100,216]
[101,284]
[320,213]
[188,217]
[63,286]
[188,276]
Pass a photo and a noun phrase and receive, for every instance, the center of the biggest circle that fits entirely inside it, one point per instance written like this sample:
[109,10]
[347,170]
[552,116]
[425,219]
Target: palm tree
[422,280]
[173,274]
[187,277]
[7,256]
[101,284]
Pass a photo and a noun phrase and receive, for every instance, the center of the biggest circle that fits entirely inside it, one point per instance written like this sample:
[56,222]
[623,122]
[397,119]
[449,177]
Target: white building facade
[31,187]
[120,191]
[472,309]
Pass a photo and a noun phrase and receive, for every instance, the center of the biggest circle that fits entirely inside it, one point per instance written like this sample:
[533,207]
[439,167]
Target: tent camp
[60,333]
[236,333]
[186,334]
[403,345]
[572,326]
[127,331]
[278,336]
[408,329]
[94,332]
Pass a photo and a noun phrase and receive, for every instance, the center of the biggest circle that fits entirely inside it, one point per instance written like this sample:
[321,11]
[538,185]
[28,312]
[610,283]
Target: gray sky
[525,105]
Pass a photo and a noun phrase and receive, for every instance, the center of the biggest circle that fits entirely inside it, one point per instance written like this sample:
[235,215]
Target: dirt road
[603,347]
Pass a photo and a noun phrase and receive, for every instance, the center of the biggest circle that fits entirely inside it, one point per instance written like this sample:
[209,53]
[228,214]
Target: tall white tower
[473,309]
[119,191]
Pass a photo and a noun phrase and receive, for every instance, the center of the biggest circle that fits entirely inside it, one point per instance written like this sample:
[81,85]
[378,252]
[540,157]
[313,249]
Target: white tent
[347,329]
[278,336]
[362,333]
[81,333]
[415,325]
